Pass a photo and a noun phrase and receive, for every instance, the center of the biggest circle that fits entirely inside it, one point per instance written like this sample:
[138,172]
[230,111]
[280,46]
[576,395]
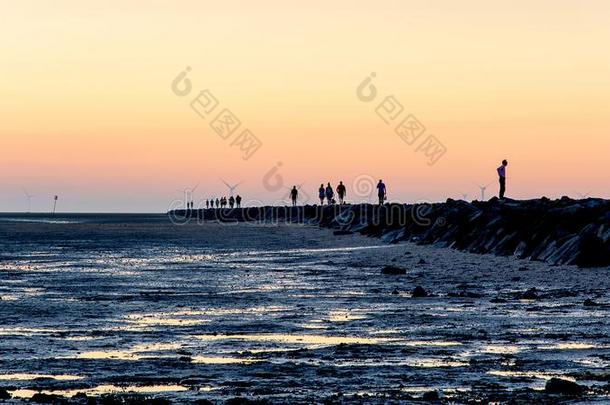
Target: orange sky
[88,111]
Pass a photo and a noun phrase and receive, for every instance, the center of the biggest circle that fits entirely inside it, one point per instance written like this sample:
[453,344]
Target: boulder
[531,294]
[419,292]
[4,394]
[393,270]
[430,396]
[563,387]
[41,398]
[590,303]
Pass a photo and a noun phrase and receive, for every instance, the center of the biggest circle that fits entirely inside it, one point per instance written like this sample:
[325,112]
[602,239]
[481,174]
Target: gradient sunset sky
[88,112]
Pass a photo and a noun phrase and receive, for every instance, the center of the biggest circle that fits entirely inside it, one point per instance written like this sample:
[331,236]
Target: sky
[94,109]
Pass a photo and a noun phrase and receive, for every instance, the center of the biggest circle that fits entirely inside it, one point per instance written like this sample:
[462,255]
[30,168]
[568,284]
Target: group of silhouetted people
[233,202]
[327,193]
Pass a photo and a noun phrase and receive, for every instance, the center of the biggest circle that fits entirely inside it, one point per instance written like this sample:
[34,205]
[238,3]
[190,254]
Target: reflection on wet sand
[28,377]
[221,360]
[161,320]
[298,339]
[102,389]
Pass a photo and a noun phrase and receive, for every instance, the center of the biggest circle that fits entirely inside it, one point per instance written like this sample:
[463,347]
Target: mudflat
[135,306]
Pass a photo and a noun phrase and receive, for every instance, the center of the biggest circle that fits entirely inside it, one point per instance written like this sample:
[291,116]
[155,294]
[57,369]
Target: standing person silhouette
[207,203]
[341,191]
[217,203]
[381,192]
[329,194]
[502,178]
[294,195]
[238,201]
[231,202]
[321,194]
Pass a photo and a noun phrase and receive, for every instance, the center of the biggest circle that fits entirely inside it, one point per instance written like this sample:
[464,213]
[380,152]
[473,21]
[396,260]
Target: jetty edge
[559,232]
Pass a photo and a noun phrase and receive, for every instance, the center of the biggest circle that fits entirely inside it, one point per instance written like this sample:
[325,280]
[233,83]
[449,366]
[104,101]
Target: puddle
[103,389]
[28,377]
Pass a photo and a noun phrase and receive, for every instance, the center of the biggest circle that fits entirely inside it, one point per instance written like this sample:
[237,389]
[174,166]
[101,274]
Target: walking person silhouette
[294,195]
[329,194]
[341,192]
[381,192]
[321,194]
[502,178]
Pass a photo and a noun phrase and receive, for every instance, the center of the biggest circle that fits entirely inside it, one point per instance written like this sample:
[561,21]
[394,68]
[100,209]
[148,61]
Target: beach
[139,307]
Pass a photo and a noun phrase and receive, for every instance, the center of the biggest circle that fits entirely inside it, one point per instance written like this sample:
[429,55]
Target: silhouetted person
[238,201]
[329,194]
[217,203]
[294,195]
[341,191]
[207,204]
[231,202]
[502,178]
[321,194]
[381,192]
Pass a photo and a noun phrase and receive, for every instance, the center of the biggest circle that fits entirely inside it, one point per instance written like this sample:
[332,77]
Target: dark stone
[564,387]
[590,303]
[4,394]
[592,252]
[421,261]
[419,292]
[41,398]
[430,396]
[531,294]
[393,270]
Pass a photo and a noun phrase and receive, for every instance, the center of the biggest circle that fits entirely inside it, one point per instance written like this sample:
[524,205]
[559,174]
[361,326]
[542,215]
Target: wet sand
[289,313]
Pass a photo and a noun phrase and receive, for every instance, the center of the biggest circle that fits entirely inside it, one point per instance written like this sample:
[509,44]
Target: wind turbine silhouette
[483,188]
[29,197]
[188,194]
[231,188]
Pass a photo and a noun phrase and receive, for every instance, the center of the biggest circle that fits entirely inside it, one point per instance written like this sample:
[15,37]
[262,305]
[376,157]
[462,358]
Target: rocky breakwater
[564,231]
